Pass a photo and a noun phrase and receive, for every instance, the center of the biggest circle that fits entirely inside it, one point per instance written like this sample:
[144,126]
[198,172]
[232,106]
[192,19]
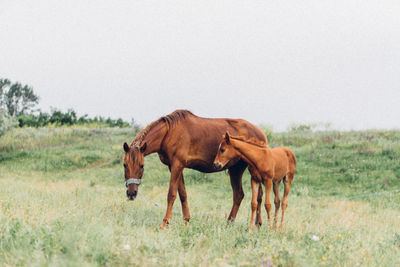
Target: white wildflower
[315,238]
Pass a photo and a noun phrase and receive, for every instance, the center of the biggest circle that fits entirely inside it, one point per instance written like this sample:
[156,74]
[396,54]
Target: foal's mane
[170,120]
[250,141]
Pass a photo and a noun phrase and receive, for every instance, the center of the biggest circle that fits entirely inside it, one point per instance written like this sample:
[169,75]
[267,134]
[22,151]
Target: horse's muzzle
[131,195]
[217,165]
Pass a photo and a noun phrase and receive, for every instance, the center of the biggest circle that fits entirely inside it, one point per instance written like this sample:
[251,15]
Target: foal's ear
[227,138]
[143,147]
[126,147]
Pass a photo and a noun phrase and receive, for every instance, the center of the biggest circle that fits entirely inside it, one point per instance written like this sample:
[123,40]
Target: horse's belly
[200,165]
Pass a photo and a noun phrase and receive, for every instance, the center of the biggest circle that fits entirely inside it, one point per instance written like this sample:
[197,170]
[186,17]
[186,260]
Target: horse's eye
[124,165]
[141,166]
[222,150]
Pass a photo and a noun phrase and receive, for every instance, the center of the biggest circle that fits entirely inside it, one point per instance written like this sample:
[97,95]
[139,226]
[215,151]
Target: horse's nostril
[131,195]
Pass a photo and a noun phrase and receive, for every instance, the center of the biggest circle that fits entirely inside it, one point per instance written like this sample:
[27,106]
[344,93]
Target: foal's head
[226,152]
[133,165]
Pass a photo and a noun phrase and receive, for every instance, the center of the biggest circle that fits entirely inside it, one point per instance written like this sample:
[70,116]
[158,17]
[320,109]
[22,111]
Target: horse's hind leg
[287,181]
[259,201]
[235,173]
[277,201]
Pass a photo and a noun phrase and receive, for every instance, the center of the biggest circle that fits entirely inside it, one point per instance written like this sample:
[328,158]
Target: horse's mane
[251,141]
[170,120]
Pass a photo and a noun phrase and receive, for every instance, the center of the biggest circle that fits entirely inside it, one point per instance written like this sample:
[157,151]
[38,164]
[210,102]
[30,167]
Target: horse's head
[226,152]
[133,165]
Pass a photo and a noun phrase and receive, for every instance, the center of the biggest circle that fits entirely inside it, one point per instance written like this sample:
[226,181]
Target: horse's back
[207,130]
[247,129]
[195,140]
[216,128]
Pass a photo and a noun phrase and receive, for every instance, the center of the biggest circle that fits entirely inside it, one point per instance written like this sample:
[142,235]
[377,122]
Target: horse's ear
[227,138]
[143,147]
[126,147]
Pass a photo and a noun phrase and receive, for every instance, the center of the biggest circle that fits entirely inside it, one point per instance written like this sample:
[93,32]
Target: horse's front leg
[176,175]
[235,173]
[184,201]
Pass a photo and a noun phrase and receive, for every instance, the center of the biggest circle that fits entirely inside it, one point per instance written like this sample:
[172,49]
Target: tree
[6,122]
[16,99]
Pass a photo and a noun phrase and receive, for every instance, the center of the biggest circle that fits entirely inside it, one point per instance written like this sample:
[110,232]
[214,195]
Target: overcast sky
[271,62]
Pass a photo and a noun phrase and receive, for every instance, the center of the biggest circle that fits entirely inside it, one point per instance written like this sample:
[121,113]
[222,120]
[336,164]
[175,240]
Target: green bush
[267,129]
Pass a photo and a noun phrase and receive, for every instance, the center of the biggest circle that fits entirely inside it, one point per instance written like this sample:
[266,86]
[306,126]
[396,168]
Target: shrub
[300,128]
[267,129]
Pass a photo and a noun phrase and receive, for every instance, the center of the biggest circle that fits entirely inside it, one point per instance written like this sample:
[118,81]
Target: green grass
[63,203]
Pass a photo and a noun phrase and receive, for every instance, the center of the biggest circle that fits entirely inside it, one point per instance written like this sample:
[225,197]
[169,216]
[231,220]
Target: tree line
[17,108]
[68,118]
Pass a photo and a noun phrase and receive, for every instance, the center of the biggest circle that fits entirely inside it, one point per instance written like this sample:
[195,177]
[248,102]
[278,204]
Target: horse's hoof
[164,225]
[232,220]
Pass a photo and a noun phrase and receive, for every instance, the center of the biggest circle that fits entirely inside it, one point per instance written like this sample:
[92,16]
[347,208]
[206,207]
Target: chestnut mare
[266,165]
[184,140]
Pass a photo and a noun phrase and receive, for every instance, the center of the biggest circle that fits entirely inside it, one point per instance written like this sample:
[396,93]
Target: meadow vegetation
[63,203]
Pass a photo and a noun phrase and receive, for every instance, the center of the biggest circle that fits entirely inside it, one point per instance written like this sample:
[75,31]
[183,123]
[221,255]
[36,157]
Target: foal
[267,166]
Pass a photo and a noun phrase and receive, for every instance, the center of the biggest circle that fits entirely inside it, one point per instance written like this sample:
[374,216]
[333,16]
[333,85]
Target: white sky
[271,62]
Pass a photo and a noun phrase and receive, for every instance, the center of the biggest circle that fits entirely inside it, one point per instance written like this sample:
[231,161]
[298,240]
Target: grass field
[63,203]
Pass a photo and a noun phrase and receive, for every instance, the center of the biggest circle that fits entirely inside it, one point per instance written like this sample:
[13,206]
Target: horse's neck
[154,138]
[252,154]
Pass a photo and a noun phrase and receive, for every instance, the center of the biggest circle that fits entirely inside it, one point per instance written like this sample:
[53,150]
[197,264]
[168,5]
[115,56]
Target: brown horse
[267,166]
[184,140]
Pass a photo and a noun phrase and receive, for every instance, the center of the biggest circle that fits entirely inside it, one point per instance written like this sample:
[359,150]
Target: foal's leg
[268,186]
[277,201]
[287,181]
[183,198]
[258,221]
[254,190]
[259,201]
